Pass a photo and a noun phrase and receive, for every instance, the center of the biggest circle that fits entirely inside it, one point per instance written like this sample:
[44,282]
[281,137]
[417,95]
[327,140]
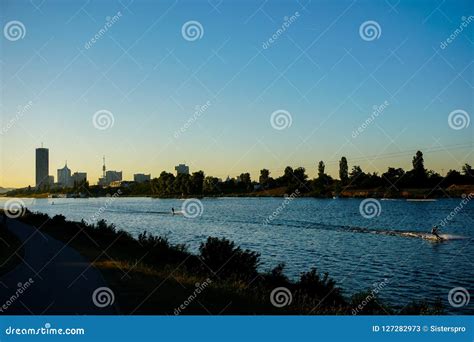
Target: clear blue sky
[150,78]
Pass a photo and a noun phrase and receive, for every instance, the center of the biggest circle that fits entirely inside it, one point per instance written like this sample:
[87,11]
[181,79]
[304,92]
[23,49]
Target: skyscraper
[42,167]
[64,177]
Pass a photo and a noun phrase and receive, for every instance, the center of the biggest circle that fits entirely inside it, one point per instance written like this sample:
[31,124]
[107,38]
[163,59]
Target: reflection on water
[331,235]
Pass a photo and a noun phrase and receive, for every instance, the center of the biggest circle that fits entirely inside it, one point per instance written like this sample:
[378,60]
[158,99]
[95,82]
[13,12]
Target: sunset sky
[151,76]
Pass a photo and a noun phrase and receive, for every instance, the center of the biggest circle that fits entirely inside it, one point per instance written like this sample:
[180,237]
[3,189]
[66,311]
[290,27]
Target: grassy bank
[151,276]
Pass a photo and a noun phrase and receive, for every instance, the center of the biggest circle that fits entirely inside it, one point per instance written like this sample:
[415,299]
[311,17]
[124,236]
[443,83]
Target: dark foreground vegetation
[11,250]
[418,182]
[151,276]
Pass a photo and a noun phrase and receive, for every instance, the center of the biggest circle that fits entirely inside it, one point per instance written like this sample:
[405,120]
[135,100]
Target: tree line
[292,179]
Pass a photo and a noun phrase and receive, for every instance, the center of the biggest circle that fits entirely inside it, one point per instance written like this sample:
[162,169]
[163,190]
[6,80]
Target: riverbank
[453,191]
[149,275]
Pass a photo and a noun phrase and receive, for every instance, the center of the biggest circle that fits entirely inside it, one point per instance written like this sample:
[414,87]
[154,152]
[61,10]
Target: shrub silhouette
[104,228]
[323,289]
[159,251]
[226,260]
[59,219]
[368,303]
[277,276]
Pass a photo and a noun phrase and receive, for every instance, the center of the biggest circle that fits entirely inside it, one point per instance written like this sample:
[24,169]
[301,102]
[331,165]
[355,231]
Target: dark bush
[104,228]
[159,251]
[226,260]
[59,219]
[367,303]
[321,289]
[276,277]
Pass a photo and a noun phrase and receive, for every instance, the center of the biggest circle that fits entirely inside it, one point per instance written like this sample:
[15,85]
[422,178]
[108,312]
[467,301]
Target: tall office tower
[42,167]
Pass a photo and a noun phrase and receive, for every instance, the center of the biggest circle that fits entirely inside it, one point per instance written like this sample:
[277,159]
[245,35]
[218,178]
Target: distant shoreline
[417,194]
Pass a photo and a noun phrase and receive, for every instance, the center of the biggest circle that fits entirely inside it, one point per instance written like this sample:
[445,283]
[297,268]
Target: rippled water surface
[328,234]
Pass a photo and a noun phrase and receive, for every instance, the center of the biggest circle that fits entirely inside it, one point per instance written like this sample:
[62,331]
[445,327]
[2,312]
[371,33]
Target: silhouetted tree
[453,177]
[419,175]
[163,185]
[343,171]
[300,174]
[320,185]
[298,180]
[197,180]
[468,174]
[264,175]
[418,162]
[182,184]
[434,179]
[467,170]
[321,168]
[245,182]
[288,175]
[356,176]
[211,185]
[372,180]
[393,176]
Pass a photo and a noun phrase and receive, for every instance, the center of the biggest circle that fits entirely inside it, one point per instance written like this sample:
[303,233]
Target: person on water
[435,231]
[172,211]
